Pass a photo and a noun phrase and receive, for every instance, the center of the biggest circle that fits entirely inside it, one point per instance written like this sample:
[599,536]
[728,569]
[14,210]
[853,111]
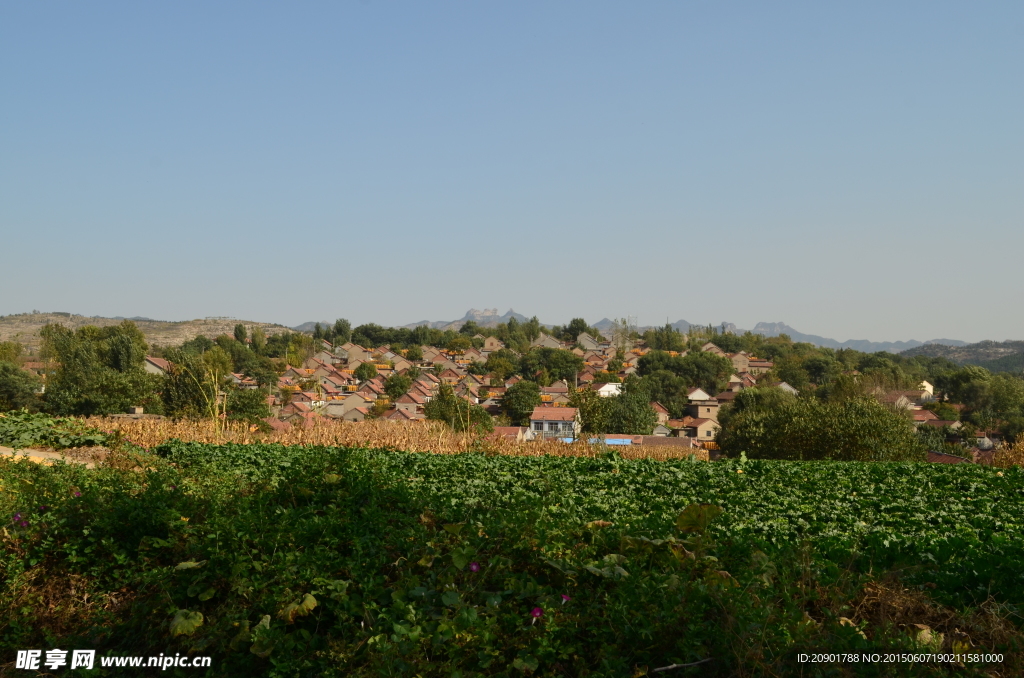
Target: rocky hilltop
[24,327]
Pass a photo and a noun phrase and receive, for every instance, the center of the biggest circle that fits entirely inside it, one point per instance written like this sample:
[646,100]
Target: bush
[857,429]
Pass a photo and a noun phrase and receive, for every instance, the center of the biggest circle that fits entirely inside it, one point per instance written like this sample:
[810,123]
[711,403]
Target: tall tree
[458,413]
[397,385]
[365,372]
[593,410]
[520,400]
[100,370]
[18,388]
[259,339]
[341,332]
[10,351]
[240,334]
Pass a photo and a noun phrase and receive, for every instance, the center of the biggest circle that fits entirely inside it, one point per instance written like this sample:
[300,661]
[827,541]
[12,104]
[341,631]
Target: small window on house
[538,426]
[552,425]
[566,425]
[708,433]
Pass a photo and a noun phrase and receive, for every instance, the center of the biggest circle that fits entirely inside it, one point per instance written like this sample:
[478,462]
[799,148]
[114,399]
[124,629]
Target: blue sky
[855,170]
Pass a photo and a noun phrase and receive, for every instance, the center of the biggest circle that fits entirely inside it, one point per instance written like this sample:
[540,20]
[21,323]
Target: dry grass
[423,436]
[986,627]
[1011,455]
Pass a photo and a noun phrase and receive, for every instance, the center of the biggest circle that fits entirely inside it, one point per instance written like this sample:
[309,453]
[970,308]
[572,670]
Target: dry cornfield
[1012,455]
[422,436]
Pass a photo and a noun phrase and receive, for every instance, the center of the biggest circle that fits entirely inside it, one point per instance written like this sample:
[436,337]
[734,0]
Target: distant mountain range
[775,329]
[486,318]
[489,318]
[997,356]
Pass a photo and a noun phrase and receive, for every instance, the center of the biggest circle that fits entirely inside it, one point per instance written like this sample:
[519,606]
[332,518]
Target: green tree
[502,363]
[18,388]
[700,369]
[99,370]
[341,331]
[557,363]
[365,372]
[259,339]
[944,411]
[248,405]
[750,400]
[240,334]
[630,412]
[520,400]
[397,385]
[10,351]
[414,353]
[593,410]
[458,413]
[665,338]
[858,429]
[459,344]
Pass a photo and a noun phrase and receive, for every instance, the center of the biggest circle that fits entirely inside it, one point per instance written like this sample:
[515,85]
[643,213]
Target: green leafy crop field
[306,561]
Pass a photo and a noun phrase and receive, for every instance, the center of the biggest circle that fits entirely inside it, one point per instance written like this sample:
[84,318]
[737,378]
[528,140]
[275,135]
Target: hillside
[24,327]
[998,356]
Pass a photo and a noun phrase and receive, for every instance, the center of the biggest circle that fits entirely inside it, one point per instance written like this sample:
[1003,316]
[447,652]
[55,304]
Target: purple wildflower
[44,507]
[16,518]
[536,612]
[565,599]
[474,567]
[24,523]
[78,494]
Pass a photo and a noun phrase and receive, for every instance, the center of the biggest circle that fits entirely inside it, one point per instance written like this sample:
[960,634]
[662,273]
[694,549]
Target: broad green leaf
[242,638]
[207,594]
[461,557]
[185,622]
[697,517]
[189,565]
[300,608]
[263,645]
[454,528]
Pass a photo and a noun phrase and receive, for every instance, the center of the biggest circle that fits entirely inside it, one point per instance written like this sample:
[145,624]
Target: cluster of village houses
[325,385]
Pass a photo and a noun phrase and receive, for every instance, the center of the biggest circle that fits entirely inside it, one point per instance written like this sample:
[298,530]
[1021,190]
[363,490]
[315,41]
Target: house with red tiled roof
[555,422]
[661,411]
[357,414]
[709,347]
[756,366]
[151,365]
[403,415]
[413,401]
[922,416]
[700,428]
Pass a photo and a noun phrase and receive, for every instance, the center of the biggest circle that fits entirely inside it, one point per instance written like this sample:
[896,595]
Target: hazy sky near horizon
[855,170]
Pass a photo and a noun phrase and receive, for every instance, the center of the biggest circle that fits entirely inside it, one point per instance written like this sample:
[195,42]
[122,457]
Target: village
[348,382]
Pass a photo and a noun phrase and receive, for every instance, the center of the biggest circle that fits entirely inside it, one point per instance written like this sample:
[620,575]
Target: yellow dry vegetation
[421,436]
[1010,455]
